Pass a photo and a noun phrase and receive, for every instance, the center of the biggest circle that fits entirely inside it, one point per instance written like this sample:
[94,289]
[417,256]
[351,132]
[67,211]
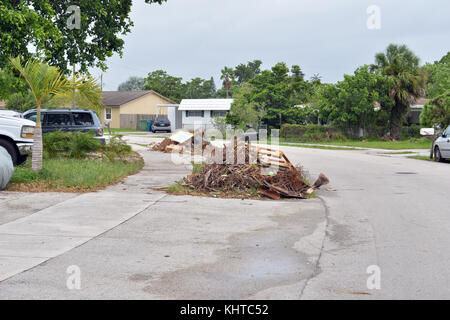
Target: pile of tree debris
[180,142]
[247,178]
[244,170]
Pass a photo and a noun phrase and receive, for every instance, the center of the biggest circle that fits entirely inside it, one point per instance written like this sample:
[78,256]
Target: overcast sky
[197,38]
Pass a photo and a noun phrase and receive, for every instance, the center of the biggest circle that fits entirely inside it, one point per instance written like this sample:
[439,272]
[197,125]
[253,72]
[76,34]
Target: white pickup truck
[16,136]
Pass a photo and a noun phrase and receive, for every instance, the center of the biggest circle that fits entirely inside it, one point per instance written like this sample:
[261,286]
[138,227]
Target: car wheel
[12,150]
[437,155]
[22,160]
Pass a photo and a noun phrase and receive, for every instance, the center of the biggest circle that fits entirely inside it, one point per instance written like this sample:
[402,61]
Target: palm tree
[228,78]
[316,78]
[47,81]
[404,81]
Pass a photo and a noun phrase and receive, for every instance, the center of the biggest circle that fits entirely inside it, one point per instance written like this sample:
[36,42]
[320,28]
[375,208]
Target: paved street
[133,242]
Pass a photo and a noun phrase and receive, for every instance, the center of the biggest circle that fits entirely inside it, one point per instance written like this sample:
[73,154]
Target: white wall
[205,122]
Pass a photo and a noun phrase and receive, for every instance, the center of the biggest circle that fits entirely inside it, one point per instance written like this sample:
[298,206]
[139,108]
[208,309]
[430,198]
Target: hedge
[316,132]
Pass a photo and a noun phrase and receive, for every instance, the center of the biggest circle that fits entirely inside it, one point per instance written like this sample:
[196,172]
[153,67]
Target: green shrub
[80,144]
[55,144]
[311,133]
[437,112]
[69,144]
[116,148]
[412,131]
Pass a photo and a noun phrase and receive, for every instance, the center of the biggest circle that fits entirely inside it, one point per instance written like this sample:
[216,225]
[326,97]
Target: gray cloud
[196,38]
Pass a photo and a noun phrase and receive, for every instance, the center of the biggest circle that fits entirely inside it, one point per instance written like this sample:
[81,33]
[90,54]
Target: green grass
[70,175]
[125,130]
[394,153]
[425,158]
[374,144]
[317,147]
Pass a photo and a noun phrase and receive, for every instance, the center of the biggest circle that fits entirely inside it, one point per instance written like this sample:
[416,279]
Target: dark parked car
[68,120]
[162,123]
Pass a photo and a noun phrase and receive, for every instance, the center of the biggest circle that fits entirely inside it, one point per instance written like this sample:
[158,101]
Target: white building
[199,113]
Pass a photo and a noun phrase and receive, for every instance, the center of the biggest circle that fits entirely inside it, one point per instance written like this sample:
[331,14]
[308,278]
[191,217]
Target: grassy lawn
[374,144]
[125,130]
[425,158]
[317,147]
[71,175]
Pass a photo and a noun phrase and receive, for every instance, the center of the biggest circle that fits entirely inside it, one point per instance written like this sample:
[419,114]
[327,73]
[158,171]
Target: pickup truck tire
[12,150]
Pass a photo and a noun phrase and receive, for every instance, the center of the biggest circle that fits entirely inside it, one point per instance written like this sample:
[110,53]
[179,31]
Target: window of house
[200,114]
[108,113]
[220,113]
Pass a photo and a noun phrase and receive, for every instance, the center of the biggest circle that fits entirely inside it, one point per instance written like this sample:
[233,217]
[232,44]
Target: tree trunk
[396,123]
[37,149]
[36,158]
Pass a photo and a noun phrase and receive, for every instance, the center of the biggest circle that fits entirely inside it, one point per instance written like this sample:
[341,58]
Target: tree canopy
[436,112]
[132,84]
[404,81]
[42,24]
[439,77]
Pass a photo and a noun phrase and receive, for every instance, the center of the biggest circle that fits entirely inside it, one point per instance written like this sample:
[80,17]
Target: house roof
[205,104]
[119,98]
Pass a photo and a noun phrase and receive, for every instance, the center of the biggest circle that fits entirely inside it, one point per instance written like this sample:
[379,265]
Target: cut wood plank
[270,194]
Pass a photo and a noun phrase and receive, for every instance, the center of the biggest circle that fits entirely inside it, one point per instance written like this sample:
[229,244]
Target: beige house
[126,108]
[2,105]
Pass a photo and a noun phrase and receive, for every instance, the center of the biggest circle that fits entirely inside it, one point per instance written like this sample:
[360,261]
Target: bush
[116,148]
[412,131]
[69,144]
[437,112]
[80,144]
[55,144]
[311,133]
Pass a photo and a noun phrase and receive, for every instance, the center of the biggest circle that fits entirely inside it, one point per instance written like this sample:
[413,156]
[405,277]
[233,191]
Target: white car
[16,136]
[441,147]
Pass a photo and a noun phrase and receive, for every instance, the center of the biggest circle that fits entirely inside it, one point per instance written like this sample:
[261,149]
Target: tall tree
[228,78]
[438,77]
[352,102]
[246,72]
[400,68]
[244,110]
[46,81]
[436,112]
[43,25]
[302,90]
[132,84]
[213,87]
[165,84]
[199,89]
[273,92]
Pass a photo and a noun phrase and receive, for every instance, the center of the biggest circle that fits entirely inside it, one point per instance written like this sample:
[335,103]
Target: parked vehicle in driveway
[441,146]
[16,136]
[10,113]
[161,123]
[68,120]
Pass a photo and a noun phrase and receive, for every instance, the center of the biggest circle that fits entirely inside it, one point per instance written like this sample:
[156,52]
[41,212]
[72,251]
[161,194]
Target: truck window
[83,119]
[33,117]
[58,119]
